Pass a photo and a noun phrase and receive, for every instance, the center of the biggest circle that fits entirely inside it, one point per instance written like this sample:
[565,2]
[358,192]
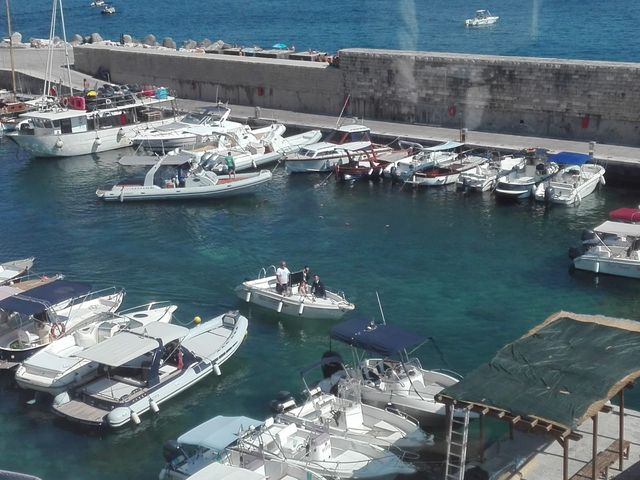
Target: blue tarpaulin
[569,158]
[38,299]
[385,340]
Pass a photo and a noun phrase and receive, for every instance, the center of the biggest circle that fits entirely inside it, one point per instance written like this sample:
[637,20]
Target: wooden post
[621,457]
[481,437]
[594,449]
[565,458]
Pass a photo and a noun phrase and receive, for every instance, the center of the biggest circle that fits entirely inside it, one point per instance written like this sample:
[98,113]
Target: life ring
[65,102]
[57,330]
[452,111]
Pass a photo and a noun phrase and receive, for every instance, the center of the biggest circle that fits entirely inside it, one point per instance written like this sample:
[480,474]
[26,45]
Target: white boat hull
[621,267]
[225,188]
[80,143]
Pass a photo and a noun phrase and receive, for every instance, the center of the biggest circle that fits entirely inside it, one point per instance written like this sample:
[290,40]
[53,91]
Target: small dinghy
[263,292]
[185,181]
[57,366]
[10,271]
[144,367]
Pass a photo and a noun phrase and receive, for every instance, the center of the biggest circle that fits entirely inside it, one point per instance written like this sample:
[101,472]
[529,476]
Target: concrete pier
[317,108]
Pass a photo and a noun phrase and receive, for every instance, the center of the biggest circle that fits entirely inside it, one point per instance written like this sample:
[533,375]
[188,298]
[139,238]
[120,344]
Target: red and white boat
[446,174]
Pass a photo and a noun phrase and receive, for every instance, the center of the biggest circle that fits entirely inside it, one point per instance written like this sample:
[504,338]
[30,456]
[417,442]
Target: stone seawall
[569,99]
[309,87]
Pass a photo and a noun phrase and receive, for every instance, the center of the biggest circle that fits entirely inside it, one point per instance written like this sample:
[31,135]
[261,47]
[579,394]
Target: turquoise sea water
[472,273]
[583,29]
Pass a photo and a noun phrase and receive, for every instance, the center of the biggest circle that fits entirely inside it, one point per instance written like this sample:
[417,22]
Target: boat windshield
[195,118]
[307,153]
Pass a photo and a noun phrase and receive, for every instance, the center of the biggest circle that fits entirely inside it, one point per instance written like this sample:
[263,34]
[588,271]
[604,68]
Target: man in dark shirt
[317,288]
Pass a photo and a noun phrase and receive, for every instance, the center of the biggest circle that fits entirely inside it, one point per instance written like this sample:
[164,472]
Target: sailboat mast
[66,49]
[13,65]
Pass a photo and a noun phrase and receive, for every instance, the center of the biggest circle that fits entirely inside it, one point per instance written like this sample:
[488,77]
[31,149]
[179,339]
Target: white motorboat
[321,452]
[485,176]
[108,10]
[200,126]
[80,125]
[207,452]
[425,157]
[183,181]
[97,3]
[385,381]
[268,148]
[144,367]
[614,250]
[573,182]
[324,156]
[521,184]
[57,367]
[11,271]
[481,18]
[344,415]
[31,320]
[446,172]
[262,291]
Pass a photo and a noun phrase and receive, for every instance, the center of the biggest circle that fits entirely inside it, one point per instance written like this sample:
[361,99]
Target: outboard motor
[548,194]
[476,473]
[330,363]
[283,402]
[575,252]
[171,450]
[587,235]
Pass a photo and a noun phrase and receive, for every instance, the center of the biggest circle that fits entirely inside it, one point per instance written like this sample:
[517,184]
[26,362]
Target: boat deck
[82,412]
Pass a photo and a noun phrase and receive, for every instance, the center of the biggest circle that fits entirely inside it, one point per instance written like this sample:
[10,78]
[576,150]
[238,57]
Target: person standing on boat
[231,165]
[318,287]
[282,278]
[305,274]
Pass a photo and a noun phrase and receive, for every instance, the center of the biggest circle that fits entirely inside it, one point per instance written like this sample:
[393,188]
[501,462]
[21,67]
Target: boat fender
[59,143]
[61,399]
[216,369]
[154,406]
[597,267]
[98,142]
[603,181]
[120,133]
[548,194]
[247,298]
[301,308]
[121,196]
[197,320]
[135,418]
[578,199]
[279,309]
[65,102]
[253,164]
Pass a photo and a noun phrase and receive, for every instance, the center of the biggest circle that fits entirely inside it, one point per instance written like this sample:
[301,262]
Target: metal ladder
[457,436]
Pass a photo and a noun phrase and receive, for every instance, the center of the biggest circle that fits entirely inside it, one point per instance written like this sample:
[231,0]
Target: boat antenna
[384,322]
[344,106]
[66,50]
[13,66]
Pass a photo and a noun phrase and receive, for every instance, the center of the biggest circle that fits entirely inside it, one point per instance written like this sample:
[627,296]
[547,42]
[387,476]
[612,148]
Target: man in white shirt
[282,278]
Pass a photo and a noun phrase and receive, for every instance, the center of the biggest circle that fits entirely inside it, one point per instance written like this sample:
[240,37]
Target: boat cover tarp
[625,214]
[384,340]
[443,146]
[569,158]
[562,371]
[38,299]
[619,228]
[167,332]
[217,433]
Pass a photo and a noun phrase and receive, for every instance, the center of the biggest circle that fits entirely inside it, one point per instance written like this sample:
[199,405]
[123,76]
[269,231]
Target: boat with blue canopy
[30,320]
[388,373]
[575,180]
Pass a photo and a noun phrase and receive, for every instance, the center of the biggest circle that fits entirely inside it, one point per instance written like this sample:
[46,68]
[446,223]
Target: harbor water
[582,29]
[471,273]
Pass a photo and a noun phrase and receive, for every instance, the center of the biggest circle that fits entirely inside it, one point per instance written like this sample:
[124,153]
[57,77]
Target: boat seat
[27,338]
